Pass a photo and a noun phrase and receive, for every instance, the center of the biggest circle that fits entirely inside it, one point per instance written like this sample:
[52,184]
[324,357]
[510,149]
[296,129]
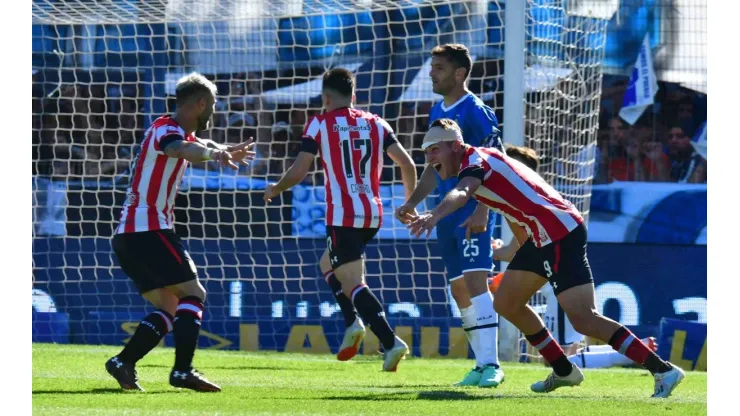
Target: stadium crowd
[89,131]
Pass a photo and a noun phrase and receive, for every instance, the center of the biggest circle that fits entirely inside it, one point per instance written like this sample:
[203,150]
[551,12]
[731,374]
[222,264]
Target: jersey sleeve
[165,136]
[484,125]
[389,136]
[311,136]
[472,165]
[475,171]
[313,129]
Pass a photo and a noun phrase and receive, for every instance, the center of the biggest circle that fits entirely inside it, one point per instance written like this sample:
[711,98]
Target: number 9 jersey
[350,143]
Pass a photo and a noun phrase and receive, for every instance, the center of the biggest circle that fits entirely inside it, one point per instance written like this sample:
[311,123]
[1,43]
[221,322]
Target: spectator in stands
[642,160]
[687,166]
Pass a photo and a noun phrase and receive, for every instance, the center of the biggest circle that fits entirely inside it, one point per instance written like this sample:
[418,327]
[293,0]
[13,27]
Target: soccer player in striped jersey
[147,248]
[350,143]
[465,239]
[592,356]
[552,237]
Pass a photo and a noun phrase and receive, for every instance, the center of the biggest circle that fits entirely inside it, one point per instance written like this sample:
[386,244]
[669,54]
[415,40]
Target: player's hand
[243,153]
[406,214]
[422,223]
[477,222]
[270,192]
[223,158]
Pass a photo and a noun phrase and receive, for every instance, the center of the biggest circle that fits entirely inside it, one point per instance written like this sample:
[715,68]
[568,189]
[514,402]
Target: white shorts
[556,321]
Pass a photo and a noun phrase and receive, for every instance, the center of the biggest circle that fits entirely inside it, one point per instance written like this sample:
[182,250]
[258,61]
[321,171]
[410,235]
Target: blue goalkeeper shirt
[479,128]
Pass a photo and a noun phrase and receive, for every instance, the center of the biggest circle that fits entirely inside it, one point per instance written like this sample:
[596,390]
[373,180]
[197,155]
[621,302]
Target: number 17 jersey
[350,144]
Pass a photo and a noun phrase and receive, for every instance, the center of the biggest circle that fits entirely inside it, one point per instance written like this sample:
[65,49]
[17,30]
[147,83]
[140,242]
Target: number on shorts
[470,247]
[548,269]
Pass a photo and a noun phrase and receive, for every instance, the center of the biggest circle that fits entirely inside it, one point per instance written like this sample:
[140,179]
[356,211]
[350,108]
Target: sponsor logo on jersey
[338,128]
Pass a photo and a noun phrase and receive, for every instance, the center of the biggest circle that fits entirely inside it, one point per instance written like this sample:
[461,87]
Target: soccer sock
[468,321]
[585,358]
[348,311]
[486,326]
[373,315]
[187,328]
[628,344]
[551,351]
[150,331]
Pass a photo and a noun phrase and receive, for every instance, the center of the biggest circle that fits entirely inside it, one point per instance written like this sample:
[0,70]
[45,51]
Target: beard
[203,124]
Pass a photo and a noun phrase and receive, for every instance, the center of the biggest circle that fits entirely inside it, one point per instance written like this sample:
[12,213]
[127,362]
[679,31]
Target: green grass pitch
[71,380]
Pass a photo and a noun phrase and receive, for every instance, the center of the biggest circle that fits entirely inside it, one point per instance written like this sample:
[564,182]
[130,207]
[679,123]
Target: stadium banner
[287,306]
[621,212]
[683,343]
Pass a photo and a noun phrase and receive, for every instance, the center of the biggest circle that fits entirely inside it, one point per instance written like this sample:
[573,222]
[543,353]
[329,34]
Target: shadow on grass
[431,395]
[93,391]
[232,367]
[423,395]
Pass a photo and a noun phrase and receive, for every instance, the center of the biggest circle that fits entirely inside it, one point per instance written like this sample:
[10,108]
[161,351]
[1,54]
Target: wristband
[208,153]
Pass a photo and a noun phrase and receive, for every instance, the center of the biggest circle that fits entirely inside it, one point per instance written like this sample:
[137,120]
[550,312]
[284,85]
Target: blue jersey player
[465,236]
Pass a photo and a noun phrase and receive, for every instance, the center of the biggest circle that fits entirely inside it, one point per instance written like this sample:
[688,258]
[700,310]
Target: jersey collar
[463,98]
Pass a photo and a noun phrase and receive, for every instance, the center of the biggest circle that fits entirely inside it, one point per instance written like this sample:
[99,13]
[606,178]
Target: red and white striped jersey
[521,195]
[150,199]
[351,144]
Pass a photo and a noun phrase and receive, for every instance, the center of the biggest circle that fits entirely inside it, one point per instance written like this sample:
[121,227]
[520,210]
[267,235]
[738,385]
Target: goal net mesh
[103,70]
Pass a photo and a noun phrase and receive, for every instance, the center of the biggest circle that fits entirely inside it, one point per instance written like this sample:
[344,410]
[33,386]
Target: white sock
[599,359]
[487,337]
[468,321]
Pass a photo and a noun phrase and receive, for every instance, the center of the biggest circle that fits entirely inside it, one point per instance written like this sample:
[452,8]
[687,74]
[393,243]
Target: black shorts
[347,244]
[563,263]
[154,259]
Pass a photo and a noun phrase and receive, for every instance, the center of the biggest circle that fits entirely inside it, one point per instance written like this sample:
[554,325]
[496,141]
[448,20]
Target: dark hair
[525,155]
[339,80]
[445,123]
[193,85]
[456,53]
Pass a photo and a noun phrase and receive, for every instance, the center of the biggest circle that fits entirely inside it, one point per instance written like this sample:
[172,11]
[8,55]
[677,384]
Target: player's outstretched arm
[454,200]
[242,152]
[295,175]
[211,144]
[408,170]
[426,185]
[196,152]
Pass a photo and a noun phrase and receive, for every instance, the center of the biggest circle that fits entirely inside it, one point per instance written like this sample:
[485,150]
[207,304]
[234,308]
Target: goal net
[103,70]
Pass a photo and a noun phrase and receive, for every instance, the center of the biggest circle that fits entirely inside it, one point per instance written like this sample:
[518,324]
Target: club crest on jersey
[338,128]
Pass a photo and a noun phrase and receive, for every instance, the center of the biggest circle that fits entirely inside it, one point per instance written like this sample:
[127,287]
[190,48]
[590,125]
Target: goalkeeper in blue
[464,239]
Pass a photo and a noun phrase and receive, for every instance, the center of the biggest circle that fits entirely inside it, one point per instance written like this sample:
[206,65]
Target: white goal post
[102,70]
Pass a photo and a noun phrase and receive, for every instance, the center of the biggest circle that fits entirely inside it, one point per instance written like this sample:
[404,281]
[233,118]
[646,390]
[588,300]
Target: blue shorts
[461,255]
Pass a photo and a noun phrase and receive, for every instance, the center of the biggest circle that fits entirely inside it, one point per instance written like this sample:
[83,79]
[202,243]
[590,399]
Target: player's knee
[584,322]
[459,292]
[505,306]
